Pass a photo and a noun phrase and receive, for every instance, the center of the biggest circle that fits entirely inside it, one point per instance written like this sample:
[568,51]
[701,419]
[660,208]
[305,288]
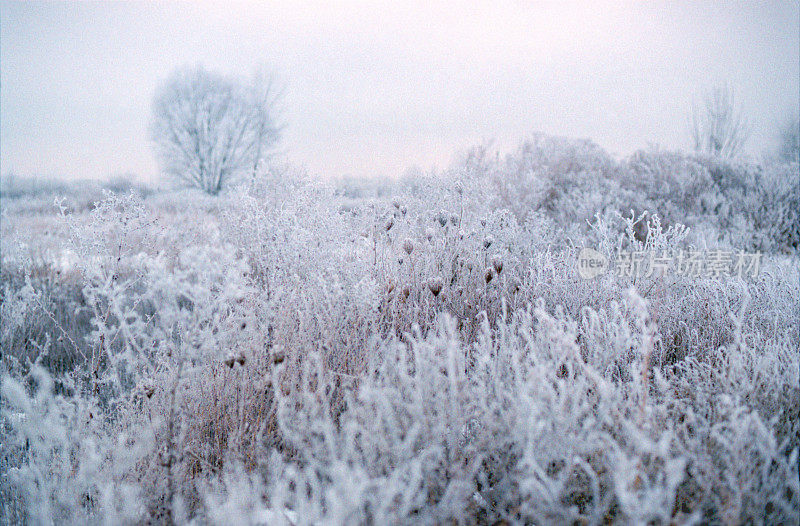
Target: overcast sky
[372,89]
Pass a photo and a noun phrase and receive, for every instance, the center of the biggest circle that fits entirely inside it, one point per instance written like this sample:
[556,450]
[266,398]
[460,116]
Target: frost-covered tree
[209,130]
[719,127]
[789,149]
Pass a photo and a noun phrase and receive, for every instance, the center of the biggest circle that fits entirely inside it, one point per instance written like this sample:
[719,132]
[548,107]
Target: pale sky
[374,88]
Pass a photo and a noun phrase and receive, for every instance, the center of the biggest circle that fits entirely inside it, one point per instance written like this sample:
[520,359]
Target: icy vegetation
[424,352]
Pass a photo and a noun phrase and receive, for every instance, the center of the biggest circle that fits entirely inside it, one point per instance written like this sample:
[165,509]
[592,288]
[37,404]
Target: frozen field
[417,351]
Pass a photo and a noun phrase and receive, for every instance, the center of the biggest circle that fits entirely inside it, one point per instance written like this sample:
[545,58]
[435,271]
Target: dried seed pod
[487,241]
[389,223]
[278,356]
[408,246]
[234,358]
[488,274]
[406,291]
[429,233]
[442,218]
[435,285]
[396,202]
[390,287]
[497,263]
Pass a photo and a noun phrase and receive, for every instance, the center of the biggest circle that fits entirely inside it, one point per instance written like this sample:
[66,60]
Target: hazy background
[372,89]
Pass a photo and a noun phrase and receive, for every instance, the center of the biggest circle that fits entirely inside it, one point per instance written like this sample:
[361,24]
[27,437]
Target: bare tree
[718,127]
[789,149]
[263,94]
[210,130]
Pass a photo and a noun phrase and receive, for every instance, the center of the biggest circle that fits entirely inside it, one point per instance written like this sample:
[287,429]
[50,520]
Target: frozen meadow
[414,351]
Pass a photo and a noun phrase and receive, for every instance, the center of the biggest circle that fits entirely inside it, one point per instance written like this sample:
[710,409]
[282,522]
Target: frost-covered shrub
[758,204]
[745,205]
[569,181]
[675,187]
[69,466]
[521,427]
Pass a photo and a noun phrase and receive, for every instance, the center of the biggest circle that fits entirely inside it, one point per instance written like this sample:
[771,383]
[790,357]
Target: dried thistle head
[234,358]
[488,274]
[429,233]
[442,218]
[389,223]
[396,202]
[408,246]
[435,285]
[148,389]
[406,291]
[278,356]
[488,241]
[497,263]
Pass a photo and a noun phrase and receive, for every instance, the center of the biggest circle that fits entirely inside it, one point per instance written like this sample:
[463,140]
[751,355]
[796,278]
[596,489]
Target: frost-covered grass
[299,353]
